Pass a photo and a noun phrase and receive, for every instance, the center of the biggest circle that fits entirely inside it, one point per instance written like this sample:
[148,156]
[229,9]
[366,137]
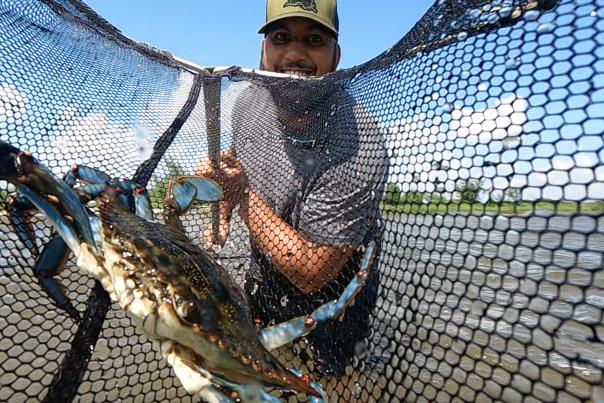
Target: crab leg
[39,188]
[96,184]
[18,208]
[51,261]
[201,380]
[276,336]
[52,258]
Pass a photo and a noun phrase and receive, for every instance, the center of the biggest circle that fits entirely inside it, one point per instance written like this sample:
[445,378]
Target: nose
[295,52]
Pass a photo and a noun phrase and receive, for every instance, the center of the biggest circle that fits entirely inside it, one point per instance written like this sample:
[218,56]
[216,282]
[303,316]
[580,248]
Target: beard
[302,104]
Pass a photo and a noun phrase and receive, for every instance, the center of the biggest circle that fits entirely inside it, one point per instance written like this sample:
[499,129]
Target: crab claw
[86,174]
[39,188]
[186,189]
[183,191]
[25,172]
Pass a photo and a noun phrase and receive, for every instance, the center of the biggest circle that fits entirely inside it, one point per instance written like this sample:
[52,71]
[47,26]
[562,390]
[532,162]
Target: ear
[336,56]
[262,53]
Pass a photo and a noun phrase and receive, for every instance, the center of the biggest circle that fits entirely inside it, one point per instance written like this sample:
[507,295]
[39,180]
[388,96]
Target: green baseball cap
[325,12]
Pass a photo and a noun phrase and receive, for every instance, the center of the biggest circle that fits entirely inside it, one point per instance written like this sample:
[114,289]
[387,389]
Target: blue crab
[178,294]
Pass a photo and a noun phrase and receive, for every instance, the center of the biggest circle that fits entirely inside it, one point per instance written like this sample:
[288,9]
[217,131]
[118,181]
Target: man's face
[299,46]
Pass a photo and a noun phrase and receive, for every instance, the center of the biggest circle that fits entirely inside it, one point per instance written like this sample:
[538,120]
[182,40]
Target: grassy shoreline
[505,208]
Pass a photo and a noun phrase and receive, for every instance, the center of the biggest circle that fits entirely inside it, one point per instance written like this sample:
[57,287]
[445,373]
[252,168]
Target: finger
[230,157]
[204,168]
[232,172]
[229,152]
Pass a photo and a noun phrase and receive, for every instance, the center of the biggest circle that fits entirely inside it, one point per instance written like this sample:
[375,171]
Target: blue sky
[213,33]
[542,126]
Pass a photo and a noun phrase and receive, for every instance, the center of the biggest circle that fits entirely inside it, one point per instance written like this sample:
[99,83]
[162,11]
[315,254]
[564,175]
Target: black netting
[472,152]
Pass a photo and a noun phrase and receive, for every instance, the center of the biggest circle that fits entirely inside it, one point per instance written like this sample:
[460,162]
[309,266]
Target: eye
[315,40]
[280,37]
[184,308]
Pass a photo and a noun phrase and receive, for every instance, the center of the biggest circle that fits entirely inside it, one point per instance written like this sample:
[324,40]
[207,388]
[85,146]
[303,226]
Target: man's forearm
[307,265]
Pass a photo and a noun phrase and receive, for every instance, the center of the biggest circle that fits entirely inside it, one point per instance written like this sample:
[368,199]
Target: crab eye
[184,308]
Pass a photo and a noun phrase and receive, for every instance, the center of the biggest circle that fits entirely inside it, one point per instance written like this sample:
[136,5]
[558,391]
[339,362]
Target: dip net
[472,152]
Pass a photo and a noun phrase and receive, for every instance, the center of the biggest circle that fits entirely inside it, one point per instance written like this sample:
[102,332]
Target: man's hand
[229,175]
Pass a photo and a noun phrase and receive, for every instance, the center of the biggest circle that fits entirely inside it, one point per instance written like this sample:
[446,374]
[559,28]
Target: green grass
[3,197]
[158,194]
[505,208]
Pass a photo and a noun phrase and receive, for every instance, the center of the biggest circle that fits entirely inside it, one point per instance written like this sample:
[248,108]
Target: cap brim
[318,19]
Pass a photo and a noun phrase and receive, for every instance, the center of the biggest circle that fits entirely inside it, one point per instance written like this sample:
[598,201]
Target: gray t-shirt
[321,167]
[326,179]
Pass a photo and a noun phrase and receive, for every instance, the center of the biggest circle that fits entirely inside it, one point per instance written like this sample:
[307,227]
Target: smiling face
[299,46]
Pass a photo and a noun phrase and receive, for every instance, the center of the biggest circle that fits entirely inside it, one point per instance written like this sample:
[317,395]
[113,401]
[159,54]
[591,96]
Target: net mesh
[472,152]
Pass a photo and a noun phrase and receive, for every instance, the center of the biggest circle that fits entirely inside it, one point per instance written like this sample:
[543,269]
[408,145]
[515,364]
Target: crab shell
[179,293]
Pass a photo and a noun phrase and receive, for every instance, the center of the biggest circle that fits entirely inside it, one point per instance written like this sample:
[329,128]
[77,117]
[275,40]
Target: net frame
[441,343]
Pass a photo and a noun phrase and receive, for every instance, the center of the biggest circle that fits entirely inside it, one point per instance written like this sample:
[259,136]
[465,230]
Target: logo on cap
[308,5]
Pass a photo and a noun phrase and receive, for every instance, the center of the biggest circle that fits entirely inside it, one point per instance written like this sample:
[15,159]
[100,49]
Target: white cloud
[13,102]
[503,120]
[94,140]
[467,143]
[449,143]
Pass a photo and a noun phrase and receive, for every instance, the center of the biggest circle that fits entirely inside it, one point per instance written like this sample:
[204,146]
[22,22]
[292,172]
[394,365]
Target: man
[301,37]
[312,181]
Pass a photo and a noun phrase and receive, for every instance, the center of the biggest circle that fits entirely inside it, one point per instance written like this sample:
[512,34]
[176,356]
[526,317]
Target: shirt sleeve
[342,204]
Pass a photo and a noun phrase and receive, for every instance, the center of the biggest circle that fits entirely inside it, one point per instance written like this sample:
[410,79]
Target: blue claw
[183,195]
[24,171]
[86,174]
[64,229]
[37,177]
[89,192]
[142,204]
[182,192]
[186,189]
[207,189]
